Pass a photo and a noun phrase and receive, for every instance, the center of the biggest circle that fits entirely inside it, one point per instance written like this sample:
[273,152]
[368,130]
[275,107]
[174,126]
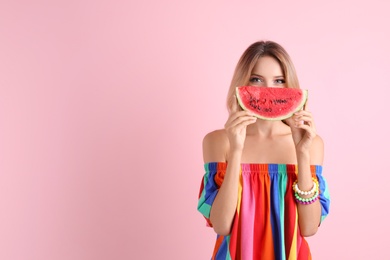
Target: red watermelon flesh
[271,103]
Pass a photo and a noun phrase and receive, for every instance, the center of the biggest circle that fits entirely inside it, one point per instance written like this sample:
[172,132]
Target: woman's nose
[268,84]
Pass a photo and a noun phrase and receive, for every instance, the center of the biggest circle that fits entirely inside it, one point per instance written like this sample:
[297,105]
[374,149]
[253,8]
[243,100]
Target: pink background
[104,104]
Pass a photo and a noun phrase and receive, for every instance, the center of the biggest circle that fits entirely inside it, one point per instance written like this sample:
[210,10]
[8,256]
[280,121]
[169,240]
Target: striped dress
[265,225]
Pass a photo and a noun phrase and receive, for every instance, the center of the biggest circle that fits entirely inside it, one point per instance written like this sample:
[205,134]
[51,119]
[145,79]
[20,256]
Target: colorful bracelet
[314,189]
[307,201]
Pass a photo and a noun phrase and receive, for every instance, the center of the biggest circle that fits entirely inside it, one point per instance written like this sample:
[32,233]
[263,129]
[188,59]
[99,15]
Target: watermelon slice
[271,103]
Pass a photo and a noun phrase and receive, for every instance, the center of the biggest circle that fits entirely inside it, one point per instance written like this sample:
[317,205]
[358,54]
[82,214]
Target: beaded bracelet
[306,201]
[315,188]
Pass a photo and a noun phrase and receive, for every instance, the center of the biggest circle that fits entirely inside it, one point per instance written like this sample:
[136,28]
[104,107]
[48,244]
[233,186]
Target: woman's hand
[235,127]
[303,129]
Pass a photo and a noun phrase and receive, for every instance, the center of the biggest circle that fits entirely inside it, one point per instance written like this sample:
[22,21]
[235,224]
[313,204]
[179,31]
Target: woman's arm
[309,150]
[309,216]
[225,203]
[227,145]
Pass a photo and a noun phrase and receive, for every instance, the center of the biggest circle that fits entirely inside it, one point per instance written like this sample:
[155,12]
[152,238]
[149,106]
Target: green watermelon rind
[285,116]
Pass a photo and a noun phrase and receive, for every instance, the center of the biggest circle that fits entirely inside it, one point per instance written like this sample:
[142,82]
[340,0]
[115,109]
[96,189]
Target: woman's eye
[255,80]
[280,81]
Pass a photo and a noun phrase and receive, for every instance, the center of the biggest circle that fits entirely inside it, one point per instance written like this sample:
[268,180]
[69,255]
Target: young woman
[263,190]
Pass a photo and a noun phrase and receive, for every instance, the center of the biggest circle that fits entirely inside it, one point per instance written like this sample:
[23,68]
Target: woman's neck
[266,129]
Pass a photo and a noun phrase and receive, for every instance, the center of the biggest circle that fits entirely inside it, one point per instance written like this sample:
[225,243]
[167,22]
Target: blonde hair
[249,59]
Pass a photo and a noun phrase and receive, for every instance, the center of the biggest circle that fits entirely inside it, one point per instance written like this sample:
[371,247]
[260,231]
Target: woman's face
[267,73]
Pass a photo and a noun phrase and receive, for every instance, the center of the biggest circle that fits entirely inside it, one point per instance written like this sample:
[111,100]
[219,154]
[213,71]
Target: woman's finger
[304,118]
[239,120]
[307,122]
[302,112]
[309,130]
[236,115]
[305,125]
[240,129]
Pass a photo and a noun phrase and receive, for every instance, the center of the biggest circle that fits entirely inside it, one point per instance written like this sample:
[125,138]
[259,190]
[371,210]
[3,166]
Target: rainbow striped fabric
[266,221]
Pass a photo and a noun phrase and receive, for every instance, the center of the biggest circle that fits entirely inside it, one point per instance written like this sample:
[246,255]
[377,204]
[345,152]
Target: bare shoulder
[317,151]
[318,143]
[215,146]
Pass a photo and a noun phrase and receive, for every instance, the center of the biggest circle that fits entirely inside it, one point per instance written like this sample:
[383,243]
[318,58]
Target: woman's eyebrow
[258,75]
